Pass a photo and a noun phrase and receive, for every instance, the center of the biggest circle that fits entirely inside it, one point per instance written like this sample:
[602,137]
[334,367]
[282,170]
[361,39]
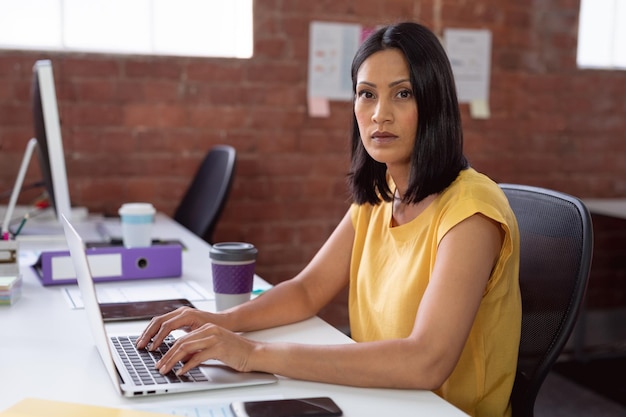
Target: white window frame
[602,34]
[204,28]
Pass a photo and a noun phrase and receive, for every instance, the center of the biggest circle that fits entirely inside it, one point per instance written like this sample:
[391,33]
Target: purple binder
[113,263]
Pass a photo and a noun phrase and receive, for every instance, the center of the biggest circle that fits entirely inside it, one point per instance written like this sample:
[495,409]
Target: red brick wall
[135,128]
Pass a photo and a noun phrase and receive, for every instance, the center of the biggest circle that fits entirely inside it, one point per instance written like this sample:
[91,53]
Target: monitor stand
[30,147]
[43,223]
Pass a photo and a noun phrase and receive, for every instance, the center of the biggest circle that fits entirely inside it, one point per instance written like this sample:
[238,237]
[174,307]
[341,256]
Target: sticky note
[319,107]
[479,109]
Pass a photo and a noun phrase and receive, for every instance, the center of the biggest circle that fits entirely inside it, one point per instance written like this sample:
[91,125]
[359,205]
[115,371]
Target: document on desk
[218,408]
[140,291]
[204,410]
[38,407]
[116,292]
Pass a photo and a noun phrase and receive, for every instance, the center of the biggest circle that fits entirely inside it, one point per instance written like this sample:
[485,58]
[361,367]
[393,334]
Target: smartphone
[140,310]
[295,407]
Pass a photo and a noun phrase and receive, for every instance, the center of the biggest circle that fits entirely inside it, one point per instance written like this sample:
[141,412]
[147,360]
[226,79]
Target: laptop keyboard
[140,362]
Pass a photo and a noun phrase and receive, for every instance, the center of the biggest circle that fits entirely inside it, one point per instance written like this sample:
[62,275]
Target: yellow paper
[35,407]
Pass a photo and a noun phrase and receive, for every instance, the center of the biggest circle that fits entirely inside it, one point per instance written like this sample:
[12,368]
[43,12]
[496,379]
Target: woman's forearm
[385,364]
[283,304]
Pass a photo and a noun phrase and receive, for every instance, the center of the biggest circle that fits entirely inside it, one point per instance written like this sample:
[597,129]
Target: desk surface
[614,207]
[41,332]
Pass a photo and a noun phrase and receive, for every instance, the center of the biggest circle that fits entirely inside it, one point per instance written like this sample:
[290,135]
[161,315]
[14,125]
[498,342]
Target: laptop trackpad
[221,374]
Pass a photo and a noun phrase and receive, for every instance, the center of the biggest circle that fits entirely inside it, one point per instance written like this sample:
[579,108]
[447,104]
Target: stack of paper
[10,289]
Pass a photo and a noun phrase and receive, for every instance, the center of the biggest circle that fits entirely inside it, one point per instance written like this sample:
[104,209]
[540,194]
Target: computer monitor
[48,135]
[49,147]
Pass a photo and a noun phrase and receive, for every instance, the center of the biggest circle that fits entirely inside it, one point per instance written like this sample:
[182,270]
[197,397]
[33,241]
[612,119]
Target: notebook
[119,362]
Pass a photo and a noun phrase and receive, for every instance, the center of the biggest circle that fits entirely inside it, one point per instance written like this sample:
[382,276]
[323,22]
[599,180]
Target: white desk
[613,207]
[40,332]
[605,325]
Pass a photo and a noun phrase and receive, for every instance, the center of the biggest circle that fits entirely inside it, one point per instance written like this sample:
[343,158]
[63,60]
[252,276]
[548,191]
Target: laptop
[122,359]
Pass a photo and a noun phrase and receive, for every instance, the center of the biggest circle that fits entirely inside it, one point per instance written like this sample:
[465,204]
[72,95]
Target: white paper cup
[137,221]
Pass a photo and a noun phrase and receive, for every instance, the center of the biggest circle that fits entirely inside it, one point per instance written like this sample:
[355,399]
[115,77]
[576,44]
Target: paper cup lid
[136,208]
[233,251]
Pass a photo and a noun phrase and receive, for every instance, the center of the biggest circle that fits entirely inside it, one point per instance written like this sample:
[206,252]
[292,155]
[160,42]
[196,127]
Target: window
[602,34]
[214,28]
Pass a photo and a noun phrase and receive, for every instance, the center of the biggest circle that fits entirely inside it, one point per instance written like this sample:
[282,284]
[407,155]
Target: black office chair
[556,246]
[202,204]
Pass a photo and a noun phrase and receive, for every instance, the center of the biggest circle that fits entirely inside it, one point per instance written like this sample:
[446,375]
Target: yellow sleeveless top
[390,270]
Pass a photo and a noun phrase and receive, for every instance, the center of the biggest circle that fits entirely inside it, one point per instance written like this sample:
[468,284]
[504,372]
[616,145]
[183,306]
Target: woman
[429,249]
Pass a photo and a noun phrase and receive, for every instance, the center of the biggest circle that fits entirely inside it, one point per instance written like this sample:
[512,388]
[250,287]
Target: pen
[19,228]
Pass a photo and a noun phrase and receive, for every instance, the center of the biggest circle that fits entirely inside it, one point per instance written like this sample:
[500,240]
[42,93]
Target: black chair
[202,204]
[556,246]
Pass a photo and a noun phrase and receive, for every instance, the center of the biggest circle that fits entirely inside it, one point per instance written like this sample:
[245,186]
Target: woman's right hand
[183,318]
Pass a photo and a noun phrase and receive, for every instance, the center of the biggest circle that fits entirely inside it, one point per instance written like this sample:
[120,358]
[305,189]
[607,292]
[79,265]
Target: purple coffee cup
[232,265]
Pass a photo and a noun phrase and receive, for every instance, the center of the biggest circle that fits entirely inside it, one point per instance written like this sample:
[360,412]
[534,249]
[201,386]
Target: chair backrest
[204,200]
[556,247]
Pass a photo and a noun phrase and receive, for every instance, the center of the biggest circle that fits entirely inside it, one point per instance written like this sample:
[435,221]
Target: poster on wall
[331,49]
[469,51]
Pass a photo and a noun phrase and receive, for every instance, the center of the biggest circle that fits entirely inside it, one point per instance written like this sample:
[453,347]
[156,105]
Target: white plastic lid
[134,209]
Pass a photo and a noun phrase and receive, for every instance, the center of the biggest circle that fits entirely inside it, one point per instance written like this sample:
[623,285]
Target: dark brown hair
[437,156]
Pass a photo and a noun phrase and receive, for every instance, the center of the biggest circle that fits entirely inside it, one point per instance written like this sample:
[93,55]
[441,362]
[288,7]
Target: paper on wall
[469,51]
[331,49]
